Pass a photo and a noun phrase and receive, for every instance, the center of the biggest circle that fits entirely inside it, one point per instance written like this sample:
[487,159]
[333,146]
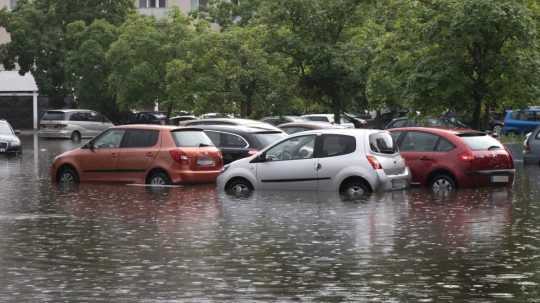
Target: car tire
[158,178]
[442,183]
[67,175]
[75,136]
[354,189]
[239,186]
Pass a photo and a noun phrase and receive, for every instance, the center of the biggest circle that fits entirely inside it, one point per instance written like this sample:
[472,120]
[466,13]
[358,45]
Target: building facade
[160,8]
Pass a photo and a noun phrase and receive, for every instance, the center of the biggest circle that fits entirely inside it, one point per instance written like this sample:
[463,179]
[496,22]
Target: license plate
[206,162]
[500,179]
[398,184]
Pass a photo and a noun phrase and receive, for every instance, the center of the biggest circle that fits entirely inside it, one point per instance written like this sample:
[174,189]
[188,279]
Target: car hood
[68,153]
[9,138]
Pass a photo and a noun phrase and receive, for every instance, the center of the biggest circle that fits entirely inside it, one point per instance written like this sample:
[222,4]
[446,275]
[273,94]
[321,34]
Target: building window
[199,4]
[152,3]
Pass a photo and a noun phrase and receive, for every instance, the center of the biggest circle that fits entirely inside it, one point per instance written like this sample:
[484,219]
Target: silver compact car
[73,124]
[353,162]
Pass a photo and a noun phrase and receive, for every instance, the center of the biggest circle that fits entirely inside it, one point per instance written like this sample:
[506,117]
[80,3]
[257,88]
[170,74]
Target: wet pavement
[120,243]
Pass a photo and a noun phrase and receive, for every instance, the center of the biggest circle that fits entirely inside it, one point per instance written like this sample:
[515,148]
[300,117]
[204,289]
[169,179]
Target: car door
[98,159]
[334,153]
[138,150]
[289,165]
[232,146]
[418,150]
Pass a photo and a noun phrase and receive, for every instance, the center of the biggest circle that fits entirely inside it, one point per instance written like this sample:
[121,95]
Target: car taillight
[179,156]
[252,152]
[466,156]
[374,162]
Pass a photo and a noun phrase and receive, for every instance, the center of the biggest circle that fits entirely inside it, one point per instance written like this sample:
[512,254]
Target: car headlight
[14,142]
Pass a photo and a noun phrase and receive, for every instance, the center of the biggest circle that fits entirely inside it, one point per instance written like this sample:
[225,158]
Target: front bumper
[393,182]
[8,148]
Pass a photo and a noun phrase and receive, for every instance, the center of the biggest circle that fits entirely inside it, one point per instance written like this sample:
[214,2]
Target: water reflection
[99,242]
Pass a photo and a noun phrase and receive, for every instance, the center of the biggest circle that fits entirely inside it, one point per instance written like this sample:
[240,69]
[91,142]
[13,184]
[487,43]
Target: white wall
[4,36]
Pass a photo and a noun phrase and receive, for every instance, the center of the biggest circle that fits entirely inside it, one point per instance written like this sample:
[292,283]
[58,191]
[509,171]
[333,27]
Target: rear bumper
[503,177]
[393,182]
[194,177]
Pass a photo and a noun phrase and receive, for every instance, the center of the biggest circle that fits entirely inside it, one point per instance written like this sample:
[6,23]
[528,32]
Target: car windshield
[5,129]
[54,115]
[191,138]
[268,138]
[382,143]
[477,141]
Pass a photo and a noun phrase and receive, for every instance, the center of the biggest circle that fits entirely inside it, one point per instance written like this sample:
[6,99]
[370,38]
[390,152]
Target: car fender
[357,171]
[61,162]
[238,172]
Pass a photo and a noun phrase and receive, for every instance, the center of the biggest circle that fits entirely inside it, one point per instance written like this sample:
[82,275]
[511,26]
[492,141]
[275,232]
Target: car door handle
[149,154]
[319,166]
[424,158]
[113,155]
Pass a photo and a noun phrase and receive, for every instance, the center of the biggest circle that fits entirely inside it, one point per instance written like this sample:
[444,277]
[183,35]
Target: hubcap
[355,191]
[442,185]
[157,180]
[240,188]
[67,177]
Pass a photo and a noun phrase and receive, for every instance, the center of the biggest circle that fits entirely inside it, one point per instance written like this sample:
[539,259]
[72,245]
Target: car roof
[155,127]
[69,110]
[237,121]
[342,131]
[436,130]
[313,124]
[238,129]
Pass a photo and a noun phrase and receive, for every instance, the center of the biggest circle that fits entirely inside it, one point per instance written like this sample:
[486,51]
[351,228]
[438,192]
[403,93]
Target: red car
[151,154]
[449,159]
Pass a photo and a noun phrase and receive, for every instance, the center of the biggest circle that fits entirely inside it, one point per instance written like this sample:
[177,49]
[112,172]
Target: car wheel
[239,186]
[355,189]
[158,178]
[76,136]
[442,184]
[67,175]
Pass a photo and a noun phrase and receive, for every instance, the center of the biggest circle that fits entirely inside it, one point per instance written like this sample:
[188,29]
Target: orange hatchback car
[144,154]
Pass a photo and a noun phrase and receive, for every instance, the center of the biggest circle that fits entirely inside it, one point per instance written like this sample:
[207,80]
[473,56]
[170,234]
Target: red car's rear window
[478,141]
[191,138]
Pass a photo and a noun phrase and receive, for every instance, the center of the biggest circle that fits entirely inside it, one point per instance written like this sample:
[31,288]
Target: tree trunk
[337,107]
[477,113]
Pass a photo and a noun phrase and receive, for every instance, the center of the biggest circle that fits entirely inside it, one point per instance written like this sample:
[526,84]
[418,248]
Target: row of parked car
[245,155]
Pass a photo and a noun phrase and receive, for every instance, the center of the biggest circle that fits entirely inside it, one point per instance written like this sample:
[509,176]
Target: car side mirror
[89,145]
[261,158]
[17,132]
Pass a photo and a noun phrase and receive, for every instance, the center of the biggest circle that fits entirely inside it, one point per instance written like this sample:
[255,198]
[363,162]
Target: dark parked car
[9,142]
[157,118]
[277,120]
[442,122]
[181,119]
[237,142]
[233,121]
[296,127]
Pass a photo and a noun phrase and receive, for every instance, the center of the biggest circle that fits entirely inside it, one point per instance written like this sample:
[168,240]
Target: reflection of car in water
[444,160]
[353,162]
[152,154]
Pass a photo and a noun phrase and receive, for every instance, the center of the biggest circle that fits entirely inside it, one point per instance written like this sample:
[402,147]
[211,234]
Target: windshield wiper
[494,147]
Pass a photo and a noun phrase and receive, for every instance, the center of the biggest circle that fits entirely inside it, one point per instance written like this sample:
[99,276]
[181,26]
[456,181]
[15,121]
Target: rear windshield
[382,143]
[268,138]
[191,138]
[54,115]
[481,142]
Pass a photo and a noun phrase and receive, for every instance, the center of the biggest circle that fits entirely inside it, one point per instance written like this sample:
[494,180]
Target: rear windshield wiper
[204,145]
[494,147]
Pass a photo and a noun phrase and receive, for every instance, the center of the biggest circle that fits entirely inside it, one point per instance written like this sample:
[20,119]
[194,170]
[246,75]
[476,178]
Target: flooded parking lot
[120,243]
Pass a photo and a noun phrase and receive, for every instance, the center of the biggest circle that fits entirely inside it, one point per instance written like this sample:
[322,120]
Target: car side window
[297,148]
[444,145]
[138,138]
[77,117]
[214,136]
[110,139]
[418,142]
[336,145]
[233,141]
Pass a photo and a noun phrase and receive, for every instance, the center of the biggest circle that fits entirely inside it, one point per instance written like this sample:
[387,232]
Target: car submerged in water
[10,144]
[353,162]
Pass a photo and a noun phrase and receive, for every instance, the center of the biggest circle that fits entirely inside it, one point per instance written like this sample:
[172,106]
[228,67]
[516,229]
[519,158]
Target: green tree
[38,37]
[315,36]
[86,66]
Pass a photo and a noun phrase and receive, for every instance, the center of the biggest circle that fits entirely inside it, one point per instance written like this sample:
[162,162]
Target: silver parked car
[72,124]
[353,162]
[531,147]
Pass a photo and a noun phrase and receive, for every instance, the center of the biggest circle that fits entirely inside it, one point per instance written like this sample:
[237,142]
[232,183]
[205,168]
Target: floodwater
[119,243]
